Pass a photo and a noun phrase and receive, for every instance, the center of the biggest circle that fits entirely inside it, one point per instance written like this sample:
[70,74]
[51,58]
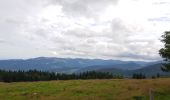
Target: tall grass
[113,89]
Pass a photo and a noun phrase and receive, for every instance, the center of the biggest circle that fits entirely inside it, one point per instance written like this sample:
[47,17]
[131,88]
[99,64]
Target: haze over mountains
[68,65]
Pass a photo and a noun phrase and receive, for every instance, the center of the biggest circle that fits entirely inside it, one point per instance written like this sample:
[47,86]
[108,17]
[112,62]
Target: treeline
[34,75]
[143,76]
[138,76]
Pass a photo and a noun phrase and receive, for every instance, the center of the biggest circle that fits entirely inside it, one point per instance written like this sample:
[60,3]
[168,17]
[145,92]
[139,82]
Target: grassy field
[115,89]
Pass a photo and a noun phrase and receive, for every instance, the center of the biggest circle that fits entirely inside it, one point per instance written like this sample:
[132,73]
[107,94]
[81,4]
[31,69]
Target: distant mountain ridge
[69,65]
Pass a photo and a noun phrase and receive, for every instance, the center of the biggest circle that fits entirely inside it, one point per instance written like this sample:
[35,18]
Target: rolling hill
[68,65]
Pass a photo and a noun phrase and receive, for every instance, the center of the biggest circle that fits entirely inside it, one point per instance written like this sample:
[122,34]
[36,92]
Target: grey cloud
[137,56]
[118,30]
[2,41]
[40,32]
[119,26]
[6,42]
[82,33]
[161,3]
[84,42]
[109,44]
[13,15]
[89,8]
[160,19]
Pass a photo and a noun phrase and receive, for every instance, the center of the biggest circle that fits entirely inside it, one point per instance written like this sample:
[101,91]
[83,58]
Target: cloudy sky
[104,29]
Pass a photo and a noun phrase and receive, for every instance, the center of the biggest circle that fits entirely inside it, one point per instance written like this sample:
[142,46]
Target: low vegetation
[105,89]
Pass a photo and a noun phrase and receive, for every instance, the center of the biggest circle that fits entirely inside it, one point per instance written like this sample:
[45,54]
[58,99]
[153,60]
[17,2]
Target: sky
[94,29]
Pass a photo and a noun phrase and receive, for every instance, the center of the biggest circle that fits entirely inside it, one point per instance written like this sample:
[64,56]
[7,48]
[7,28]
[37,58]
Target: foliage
[138,76]
[165,51]
[34,75]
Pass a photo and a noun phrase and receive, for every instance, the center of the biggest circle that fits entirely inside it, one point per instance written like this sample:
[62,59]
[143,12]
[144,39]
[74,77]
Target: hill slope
[65,64]
[151,70]
[68,65]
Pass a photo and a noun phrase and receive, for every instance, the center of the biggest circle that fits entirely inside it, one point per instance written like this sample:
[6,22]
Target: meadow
[105,89]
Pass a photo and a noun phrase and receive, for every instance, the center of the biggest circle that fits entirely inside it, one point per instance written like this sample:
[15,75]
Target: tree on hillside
[165,51]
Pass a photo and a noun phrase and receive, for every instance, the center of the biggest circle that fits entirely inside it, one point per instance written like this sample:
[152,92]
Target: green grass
[115,89]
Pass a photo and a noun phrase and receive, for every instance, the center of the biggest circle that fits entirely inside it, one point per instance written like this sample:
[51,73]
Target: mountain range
[69,65]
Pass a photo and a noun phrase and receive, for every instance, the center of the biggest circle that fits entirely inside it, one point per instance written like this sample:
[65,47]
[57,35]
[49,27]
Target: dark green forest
[34,75]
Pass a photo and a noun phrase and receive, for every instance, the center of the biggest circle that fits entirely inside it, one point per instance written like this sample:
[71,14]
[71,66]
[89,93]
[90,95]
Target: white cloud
[106,29]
